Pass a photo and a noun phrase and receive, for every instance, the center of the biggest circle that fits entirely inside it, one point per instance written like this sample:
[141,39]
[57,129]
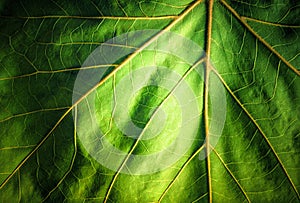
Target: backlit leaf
[180,61]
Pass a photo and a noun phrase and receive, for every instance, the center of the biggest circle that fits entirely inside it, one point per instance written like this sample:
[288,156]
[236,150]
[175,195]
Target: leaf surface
[251,48]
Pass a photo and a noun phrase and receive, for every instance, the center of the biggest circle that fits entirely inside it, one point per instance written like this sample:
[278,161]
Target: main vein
[206,88]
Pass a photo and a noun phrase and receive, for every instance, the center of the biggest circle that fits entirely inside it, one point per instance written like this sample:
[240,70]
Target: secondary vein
[95,17]
[261,132]
[244,22]
[129,58]
[72,161]
[188,10]
[231,174]
[245,18]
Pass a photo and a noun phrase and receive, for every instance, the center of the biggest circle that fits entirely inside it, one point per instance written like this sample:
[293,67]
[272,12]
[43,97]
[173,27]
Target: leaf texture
[251,49]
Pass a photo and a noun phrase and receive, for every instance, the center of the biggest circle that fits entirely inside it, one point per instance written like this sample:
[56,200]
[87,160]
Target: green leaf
[48,147]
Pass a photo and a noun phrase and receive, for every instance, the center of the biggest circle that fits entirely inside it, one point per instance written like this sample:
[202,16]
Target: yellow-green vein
[147,125]
[231,174]
[206,88]
[180,172]
[243,21]
[244,18]
[261,132]
[72,161]
[95,17]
